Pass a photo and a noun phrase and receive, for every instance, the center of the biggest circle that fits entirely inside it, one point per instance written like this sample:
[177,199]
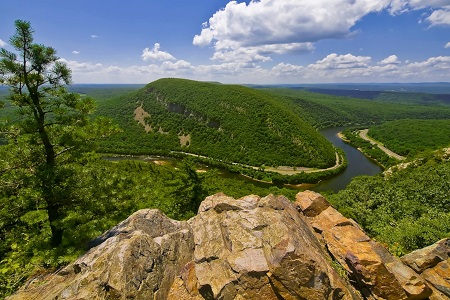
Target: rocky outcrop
[137,259]
[251,248]
[258,248]
[433,263]
[376,272]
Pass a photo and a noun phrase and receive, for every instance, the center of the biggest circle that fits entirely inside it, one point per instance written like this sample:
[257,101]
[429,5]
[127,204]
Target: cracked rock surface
[250,248]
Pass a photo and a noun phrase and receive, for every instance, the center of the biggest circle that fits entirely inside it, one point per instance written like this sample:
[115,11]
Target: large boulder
[377,273]
[428,257]
[137,259]
[252,248]
[433,262]
[257,248]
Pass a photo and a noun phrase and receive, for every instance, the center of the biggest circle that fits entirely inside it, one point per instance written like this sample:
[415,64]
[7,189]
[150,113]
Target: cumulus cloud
[439,17]
[261,28]
[447,45]
[245,30]
[2,43]
[179,65]
[283,69]
[94,36]
[393,59]
[76,66]
[75,52]
[440,10]
[347,61]
[260,53]
[283,22]
[156,55]
[332,68]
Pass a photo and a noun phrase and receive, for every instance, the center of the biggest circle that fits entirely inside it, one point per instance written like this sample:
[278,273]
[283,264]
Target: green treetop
[54,125]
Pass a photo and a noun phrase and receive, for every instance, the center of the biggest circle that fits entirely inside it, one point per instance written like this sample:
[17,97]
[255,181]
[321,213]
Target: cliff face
[251,248]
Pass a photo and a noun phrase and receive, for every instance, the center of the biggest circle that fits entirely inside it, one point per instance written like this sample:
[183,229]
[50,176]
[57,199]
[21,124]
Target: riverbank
[363,134]
[356,164]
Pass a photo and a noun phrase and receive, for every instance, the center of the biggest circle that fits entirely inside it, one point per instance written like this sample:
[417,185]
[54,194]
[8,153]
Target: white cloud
[94,36]
[440,10]
[278,23]
[393,59]
[82,66]
[332,68]
[283,69]
[439,17]
[447,45]
[156,55]
[75,52]
[437,63]
[260,53]
[347,61]
[282,22]
[179,65]
[243,32]
[2,43]
[400,6]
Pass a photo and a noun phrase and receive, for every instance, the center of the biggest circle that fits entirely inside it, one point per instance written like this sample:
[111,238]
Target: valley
[245,141]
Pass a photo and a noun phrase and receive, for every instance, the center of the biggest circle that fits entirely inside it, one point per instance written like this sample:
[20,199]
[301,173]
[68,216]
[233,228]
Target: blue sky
[266,41]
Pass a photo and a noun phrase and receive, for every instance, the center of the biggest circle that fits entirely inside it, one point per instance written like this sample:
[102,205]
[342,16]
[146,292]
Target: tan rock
[375,270]
[251,248]
[137,259]
[439,277]
[311,203]
[428,257]
[260,248]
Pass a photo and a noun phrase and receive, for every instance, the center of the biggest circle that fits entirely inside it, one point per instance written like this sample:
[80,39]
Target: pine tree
[54,123]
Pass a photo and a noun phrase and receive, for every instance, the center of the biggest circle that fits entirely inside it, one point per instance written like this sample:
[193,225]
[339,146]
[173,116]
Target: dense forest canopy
[329,111]
[409,137]
[406,208]
[227,122]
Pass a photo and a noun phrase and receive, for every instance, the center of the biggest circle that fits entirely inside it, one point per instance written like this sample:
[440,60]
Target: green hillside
[407,209]
[328,111]
[407,137]
[227,122]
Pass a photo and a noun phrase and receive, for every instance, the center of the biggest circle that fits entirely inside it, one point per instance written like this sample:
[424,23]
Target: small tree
[54,123]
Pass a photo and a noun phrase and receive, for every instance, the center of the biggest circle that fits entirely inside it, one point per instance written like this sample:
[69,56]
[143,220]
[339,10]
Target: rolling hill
[230,123]
[323,111]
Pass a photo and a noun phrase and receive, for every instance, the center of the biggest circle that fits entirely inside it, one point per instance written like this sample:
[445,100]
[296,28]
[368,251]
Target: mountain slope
[330,111]
[226,122]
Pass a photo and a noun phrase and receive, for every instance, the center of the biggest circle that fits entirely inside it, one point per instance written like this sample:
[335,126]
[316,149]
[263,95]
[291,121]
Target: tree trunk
[57,231]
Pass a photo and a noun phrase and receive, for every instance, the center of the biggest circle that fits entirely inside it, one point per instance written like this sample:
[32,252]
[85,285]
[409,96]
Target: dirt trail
[363,135]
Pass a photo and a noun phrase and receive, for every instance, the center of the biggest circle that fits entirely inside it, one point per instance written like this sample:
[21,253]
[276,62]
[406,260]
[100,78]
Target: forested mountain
[328,111]
[227,122]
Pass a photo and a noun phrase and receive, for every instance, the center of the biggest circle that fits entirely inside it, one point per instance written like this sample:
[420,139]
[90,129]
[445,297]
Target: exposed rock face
[137,259]
[251,248]
[433,263]
[259,248]
[376,271]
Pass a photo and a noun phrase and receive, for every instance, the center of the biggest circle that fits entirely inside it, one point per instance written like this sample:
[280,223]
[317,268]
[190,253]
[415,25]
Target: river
[358,163]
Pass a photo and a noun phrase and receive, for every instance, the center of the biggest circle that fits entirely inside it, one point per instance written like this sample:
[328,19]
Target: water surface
[358,163]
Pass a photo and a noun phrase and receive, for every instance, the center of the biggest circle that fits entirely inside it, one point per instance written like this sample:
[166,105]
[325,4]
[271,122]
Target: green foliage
[407,210]
[410,137]
[370,150]
[329,111]
[53,128]
[103,194]
[226,122]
